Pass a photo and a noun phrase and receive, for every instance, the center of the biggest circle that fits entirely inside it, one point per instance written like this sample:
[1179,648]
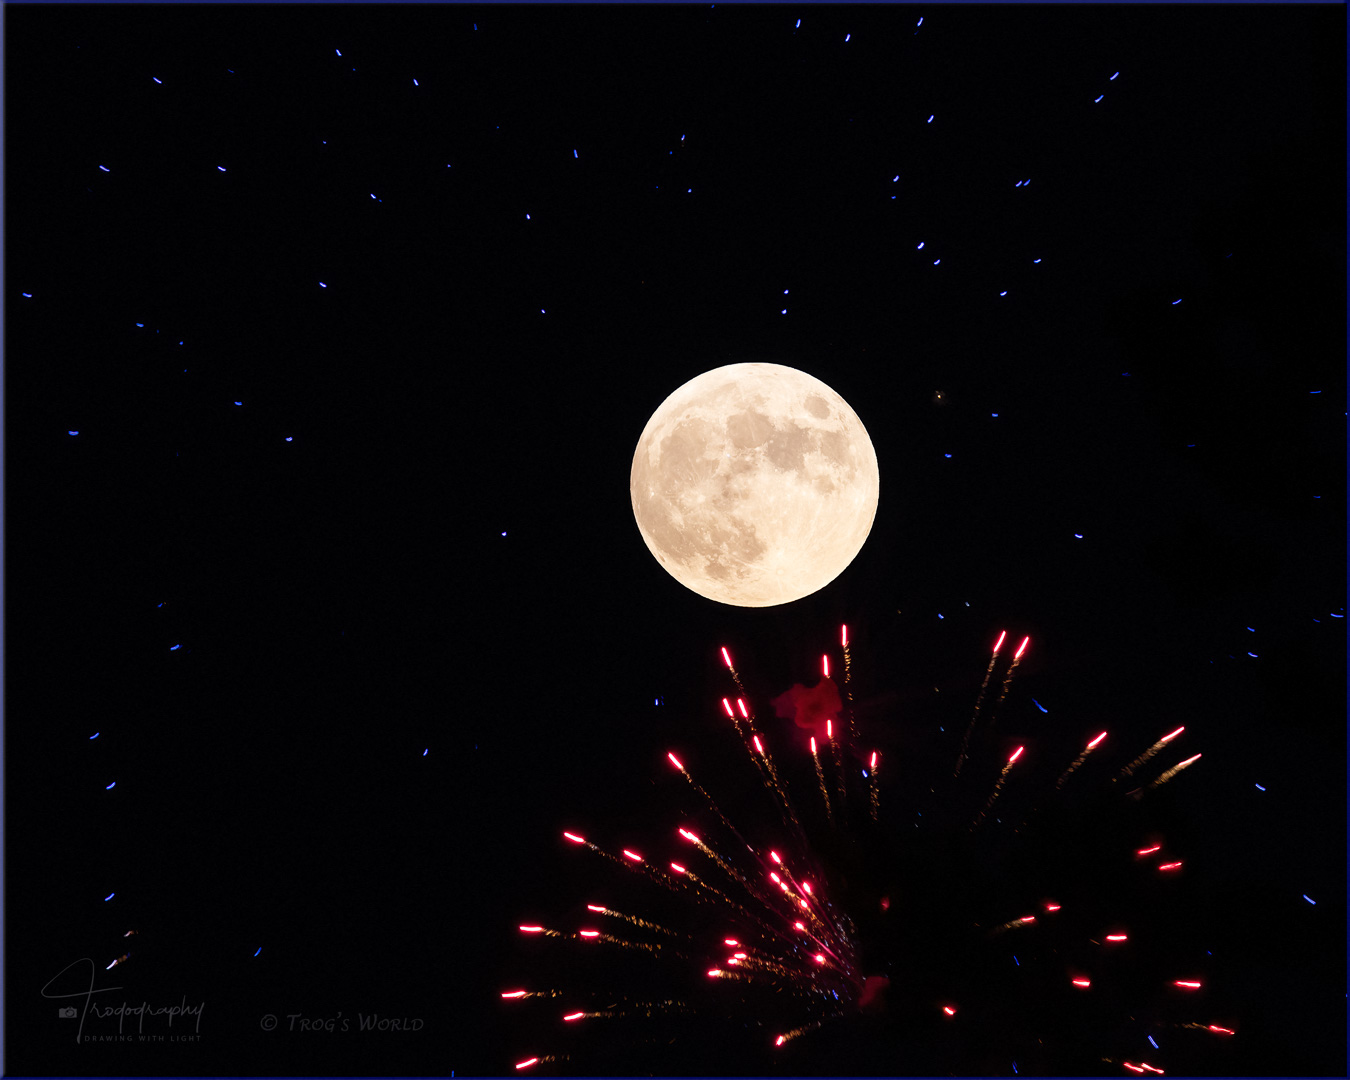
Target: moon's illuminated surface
[754,484]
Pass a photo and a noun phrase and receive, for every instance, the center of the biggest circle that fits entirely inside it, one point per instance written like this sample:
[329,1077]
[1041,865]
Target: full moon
[754,484]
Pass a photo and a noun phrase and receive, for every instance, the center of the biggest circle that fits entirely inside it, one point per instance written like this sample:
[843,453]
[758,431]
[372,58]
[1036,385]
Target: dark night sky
[306,532]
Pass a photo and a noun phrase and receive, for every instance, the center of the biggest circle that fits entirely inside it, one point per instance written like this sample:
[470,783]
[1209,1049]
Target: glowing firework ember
[989,922]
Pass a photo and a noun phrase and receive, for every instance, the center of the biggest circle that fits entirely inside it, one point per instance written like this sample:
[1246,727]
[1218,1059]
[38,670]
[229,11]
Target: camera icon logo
[67,1012]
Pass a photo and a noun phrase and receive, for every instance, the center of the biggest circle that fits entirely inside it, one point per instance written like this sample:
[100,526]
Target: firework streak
[1079,760]
[1148,754]
[979,700]
[998,787]
[777,938]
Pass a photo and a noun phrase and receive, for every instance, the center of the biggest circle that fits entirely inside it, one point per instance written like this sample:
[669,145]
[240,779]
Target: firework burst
[995,921]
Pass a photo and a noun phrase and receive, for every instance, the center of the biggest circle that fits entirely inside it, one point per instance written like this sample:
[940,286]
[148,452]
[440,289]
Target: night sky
[330,332]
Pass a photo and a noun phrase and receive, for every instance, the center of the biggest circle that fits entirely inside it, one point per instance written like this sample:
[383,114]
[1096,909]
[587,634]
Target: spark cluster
[824,916]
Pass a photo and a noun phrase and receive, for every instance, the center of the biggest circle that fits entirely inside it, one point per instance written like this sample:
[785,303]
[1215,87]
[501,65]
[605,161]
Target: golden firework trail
[631,861]
[1166,776]
[754,746]
[731,872]
[979,700]
[1149,753]
[998,786]
[1215,1028]
[599,909]
[539,1059]
[848,689]
[636,1008]
[820,778]
[726,656]
[1080,759]
[843,644]
[544,931]
[699,886]
[598,936]
[1008,678]
[652,947]
[1014,924]
[874,800]
[837,756]
[759,754]
[788,1036]
[706,798]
